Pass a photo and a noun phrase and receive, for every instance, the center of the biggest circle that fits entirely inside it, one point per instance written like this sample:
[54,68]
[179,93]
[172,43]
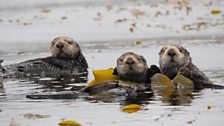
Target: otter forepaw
[115,71]
[154,69]
[185,71]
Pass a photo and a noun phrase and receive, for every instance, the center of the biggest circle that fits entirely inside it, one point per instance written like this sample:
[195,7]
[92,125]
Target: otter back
[47,67]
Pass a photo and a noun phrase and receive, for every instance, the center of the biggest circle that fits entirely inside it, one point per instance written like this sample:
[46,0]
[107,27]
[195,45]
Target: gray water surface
[188,108]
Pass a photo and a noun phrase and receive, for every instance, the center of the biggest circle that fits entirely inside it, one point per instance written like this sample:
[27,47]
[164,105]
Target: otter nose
[171,53]
[60,45]
[130,61]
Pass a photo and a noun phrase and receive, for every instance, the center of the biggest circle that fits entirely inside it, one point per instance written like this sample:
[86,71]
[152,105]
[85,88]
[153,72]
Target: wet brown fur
[180,62]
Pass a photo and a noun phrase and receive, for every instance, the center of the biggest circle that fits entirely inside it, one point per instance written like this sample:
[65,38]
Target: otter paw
[155,69]
[185,71]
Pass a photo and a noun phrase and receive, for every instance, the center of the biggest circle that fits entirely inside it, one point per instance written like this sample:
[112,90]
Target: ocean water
[26,33]
[188,107]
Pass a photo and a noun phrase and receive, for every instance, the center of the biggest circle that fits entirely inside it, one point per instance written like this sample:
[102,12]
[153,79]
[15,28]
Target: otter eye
[138,58]
[181,50]
[121,60]
[70,42]
[53,43]
[162,50]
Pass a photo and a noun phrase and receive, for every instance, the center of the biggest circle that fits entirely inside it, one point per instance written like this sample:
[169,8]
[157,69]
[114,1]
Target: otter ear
[184,51]
[162,50]
[53,42]
[115,71]
[143,59]
[188,53]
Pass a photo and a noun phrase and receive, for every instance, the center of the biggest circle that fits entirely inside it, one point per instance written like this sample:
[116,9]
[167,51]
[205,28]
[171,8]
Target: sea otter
[133,67]
[174,59]
[67,59]
[130,67]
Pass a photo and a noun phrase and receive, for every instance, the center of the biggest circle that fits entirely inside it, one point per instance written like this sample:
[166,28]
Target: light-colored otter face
[64,47]
[131,64]
[173,56]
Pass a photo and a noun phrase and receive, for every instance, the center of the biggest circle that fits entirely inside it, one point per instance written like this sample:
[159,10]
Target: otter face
[64,47]
[172,58]
[173,55]
[130,64]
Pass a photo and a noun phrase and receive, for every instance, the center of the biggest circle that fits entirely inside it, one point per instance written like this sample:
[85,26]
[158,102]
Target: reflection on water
[175,97]
[168,96]
[60,84]
[2,91]
[139,98]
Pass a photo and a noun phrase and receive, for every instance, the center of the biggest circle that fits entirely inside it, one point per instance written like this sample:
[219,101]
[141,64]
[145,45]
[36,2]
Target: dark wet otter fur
[175,59]
[67,59]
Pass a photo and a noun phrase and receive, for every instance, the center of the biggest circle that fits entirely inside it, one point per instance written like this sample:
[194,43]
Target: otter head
[172,58]
[64,47]
[132,67]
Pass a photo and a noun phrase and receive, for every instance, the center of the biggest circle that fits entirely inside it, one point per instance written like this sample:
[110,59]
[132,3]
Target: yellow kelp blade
[161,80]
[182,81]
[138,42]
[69,123]
[215,12]
[132,108]
[105,74]
[165,92]
[163,86]
[102,75]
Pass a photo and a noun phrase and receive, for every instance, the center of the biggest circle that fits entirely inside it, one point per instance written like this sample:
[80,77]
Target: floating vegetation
[35,116]
[215,12]
[102,75]
[132,108]
[138,42]
[45,10]
[209,107]
[69,123]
